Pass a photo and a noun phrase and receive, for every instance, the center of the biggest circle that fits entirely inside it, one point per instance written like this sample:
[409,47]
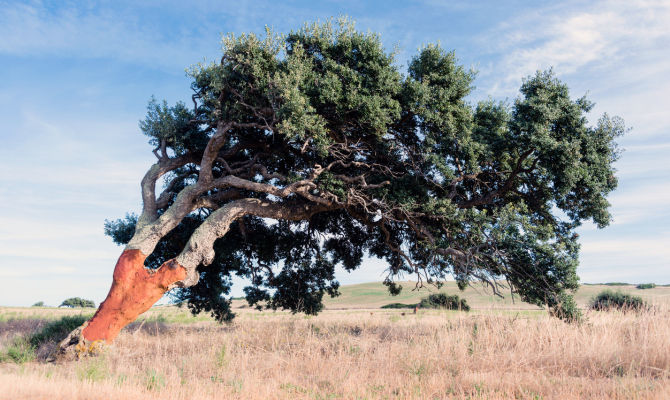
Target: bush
[57,330]
[77,302]
[442,300]
[646,286]
[609,300]
[38,304]
[566,309]
[399,305]
[39,345]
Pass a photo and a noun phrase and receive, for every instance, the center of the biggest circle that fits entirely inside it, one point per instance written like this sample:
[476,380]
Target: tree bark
[134,290]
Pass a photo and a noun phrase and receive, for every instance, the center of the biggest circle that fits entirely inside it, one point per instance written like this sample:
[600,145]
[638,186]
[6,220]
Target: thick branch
[163,166]
[200,250]
[209,155]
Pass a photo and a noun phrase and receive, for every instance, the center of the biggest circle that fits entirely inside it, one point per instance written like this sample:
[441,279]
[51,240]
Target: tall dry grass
[356,355]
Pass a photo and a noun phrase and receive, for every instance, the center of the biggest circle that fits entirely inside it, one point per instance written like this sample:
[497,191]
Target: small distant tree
[77,302]
[38,304]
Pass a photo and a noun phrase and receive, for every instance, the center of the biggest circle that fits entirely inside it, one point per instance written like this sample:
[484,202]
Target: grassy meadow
[355,350]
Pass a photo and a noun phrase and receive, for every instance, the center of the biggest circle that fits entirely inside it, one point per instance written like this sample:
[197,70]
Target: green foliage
[609,300]
[220,357]
[121,230]
[646,286]
[24,348]
[398,305]
[172,127]
[445,301]
[419,176]
[57,330]
[94,369]
[38,304]
[18,351]
[567,310]
[77,302]
[154,380]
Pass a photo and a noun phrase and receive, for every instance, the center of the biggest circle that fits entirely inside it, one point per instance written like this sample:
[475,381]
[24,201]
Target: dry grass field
[489,353]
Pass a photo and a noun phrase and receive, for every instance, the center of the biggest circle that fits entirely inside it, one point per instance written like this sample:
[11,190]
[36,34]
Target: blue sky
[75,78]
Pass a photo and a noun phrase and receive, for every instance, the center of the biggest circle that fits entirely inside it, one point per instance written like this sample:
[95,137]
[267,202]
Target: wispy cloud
[615,50]
[96,31]
[604,34]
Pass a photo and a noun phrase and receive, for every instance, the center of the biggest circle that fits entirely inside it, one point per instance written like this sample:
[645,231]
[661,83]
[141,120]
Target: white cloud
[617,51]
[569,38]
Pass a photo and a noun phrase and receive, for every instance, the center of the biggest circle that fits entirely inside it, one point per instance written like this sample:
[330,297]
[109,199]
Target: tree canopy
[312,149]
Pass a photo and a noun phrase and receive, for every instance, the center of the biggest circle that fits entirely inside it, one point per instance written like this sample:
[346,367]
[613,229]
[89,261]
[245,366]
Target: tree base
[134,290]
[75,347]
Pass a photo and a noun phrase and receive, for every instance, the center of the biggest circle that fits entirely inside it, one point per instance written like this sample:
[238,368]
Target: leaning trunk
[134,290]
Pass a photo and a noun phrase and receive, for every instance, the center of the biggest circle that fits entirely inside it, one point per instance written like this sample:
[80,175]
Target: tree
[77,302]
[311,149]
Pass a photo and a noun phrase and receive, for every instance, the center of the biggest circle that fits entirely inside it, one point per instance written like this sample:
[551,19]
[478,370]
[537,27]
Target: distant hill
[375,295]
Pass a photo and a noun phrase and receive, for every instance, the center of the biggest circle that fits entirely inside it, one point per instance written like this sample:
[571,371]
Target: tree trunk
[134,290]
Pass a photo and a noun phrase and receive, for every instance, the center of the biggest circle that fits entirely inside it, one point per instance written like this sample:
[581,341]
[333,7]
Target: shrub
[442,300]
[39,345]
[18,351]
[77,302]
[567,310]
[399,305]
[38,304]
[609,300]
[57,330]
[646,286]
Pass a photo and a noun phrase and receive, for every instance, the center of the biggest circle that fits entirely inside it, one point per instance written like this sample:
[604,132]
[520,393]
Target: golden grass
[363,355]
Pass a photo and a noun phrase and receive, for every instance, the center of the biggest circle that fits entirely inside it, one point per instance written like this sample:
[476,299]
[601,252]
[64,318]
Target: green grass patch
[94,370]
[25,348]
[154,380]
[19,351]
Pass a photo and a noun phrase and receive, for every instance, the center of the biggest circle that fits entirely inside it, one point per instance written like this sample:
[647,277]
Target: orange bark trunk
[134,290]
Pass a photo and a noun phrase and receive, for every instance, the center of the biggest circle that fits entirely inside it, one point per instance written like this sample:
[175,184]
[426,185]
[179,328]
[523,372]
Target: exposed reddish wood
[134,290]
